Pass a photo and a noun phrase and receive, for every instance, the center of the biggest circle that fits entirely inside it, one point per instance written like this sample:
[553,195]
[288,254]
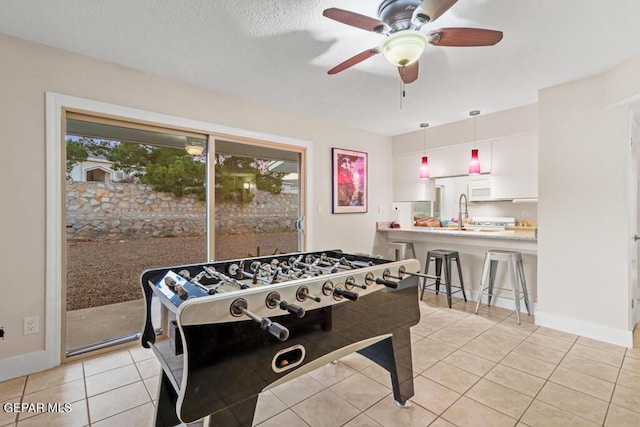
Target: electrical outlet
[31,325]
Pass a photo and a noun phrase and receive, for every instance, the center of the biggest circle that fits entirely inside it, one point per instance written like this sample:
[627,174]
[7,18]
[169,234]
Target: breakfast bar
[472,246]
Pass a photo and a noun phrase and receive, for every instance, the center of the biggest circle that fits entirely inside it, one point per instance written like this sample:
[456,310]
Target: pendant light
[474,164]
[424,166]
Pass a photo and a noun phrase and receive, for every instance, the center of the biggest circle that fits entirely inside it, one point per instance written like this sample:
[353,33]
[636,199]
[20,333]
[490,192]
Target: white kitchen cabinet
[407,184]
[514,167]
[454,160]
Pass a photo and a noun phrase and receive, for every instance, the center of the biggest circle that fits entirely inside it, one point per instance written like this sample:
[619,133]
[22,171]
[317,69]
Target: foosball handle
[275,329]
[387,283]
[293,309]
[239,308]
[353,296]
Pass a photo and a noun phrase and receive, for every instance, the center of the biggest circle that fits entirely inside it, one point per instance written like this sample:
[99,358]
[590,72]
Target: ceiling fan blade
[354,60]
[409,73]
[355,19]
[464,37]
[435,8]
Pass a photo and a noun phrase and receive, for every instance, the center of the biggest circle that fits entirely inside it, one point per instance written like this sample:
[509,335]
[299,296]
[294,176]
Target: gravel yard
[107,272]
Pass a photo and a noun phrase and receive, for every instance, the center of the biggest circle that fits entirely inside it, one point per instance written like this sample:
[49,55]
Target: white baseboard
[25,364]
[590,330]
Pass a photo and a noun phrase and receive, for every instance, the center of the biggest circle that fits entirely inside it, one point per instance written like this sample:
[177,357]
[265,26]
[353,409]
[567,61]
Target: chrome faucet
[460,211]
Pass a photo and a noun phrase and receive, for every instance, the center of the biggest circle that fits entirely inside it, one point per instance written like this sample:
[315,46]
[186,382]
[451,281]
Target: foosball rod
[298,261]
[235,270]
[309,259]
[386,274]
[267,268]
[345,261]
[223,277]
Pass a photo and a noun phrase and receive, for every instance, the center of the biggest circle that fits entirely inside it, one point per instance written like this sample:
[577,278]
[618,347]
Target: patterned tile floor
[470,370]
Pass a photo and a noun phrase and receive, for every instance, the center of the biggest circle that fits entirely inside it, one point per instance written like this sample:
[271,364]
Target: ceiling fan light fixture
[404,47]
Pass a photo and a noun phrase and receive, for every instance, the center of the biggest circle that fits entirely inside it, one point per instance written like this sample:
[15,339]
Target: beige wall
[583,207]
[488,126]
[28,70]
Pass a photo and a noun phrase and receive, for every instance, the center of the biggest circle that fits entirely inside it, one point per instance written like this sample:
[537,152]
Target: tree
[172,170]
[129,157]
[232,172]
[180,175]
[77,152]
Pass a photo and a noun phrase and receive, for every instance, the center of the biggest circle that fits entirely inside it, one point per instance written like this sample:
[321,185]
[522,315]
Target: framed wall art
[350,181]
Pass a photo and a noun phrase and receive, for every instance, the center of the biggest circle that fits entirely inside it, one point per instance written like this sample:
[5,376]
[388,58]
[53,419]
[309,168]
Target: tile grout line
[548,380]
[613,392]
[106,391]
[498,363]
[24,390]
[481,377]
[86,394]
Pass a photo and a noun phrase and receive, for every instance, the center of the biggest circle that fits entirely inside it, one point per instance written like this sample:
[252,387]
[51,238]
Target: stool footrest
[444,285]
[458,290]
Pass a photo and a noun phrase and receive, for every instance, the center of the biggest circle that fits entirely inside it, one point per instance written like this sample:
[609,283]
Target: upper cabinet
[407,185]
[511,161]
[454,160]
[514,167]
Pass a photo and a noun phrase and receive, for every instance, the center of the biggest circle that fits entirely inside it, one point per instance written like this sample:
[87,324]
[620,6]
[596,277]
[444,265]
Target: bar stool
[516,270]
[400,249]
[443,256]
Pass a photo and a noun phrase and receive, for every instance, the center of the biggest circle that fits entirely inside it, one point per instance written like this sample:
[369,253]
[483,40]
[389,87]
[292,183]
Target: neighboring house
[290,186]
[97,169]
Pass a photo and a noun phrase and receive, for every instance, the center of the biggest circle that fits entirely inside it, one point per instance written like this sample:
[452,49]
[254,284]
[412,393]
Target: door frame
[634,190]
[55,107]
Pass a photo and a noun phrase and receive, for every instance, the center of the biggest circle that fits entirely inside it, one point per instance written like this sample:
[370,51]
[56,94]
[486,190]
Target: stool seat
[400,249]
[443,256]
[516,272]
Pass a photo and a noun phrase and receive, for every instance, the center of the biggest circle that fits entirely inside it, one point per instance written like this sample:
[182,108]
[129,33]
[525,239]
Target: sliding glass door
[258,199]
[140,196]
[135,199]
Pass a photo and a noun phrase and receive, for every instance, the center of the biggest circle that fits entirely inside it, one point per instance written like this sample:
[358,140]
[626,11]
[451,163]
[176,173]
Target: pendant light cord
[424,127]
[475,138]
[474,114]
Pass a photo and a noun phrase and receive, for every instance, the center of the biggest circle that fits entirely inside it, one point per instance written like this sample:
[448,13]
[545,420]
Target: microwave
[479,189]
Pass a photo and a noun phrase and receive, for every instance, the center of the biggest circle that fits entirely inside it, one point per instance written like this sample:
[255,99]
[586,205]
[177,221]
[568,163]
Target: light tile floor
[470,370]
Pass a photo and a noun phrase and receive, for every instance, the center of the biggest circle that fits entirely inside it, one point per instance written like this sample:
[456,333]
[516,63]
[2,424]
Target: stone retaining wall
[103,211]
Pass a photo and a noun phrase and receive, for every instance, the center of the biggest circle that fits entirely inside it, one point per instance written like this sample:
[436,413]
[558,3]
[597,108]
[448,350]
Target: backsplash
[526,214]
[521,211]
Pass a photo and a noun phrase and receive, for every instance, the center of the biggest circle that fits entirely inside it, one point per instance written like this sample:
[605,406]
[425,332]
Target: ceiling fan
[401,21]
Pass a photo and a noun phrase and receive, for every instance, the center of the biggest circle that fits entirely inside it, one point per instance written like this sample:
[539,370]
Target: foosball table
[244,326]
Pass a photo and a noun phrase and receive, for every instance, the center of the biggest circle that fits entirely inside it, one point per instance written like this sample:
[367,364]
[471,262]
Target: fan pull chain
[402,93]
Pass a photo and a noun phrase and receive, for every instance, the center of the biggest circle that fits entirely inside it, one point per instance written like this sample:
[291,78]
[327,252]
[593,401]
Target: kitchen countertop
[514,234]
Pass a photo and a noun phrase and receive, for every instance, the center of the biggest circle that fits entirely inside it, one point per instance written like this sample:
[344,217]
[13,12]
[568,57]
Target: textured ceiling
[278,51]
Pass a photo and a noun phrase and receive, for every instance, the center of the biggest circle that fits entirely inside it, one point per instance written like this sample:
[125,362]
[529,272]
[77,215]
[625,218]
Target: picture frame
[350,180]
